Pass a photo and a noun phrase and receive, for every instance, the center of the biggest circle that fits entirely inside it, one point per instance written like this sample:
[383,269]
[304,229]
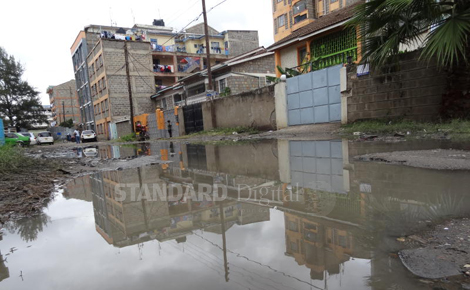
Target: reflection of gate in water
[317,165]
[193,121]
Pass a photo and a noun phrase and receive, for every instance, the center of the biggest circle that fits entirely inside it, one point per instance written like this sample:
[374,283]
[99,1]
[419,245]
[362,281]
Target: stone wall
[413,92]
[241,41]
[142,80]
[251,109]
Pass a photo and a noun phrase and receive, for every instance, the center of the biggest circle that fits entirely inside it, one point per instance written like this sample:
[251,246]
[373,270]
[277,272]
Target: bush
[13,160]
[128,138]
[67,124]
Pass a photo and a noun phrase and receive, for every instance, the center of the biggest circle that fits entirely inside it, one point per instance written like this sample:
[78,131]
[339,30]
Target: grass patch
[13,160]
[404,126]
[224,131]
[128,138]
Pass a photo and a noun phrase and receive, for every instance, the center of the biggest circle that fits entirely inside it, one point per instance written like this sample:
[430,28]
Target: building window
[300,18]
[299,7]
[281,21]
[302,55]
[222,85]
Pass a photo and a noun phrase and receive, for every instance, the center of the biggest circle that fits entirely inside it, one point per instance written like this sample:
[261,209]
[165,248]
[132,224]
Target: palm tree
[442,26]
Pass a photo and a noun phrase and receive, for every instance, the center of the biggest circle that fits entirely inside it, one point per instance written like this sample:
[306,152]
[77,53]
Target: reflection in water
[28,228]
[298,214]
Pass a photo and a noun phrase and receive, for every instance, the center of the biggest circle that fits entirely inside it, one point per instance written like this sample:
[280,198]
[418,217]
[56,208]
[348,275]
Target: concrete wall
[123,128]
[251,109]
[289,57]
[253,161]
[60,133]
[281,105]
[414,92]
[152,128]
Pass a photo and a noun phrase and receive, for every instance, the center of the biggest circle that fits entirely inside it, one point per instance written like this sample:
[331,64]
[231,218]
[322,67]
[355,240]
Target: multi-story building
[109,84]
[157,58]
[64,102]
[79,52]
[290,15]
[242,73]
[313,29]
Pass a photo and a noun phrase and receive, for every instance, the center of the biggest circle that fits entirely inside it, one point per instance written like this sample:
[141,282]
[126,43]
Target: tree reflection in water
[28,228]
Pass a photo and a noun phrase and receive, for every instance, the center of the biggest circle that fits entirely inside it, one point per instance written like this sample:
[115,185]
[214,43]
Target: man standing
[169,128]
[77,136]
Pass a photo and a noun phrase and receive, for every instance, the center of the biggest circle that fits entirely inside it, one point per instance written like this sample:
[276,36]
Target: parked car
[45,138]
[16,139]
[31,137]
[88,135]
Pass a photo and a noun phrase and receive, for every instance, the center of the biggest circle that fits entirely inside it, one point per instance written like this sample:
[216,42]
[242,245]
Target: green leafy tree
[68,123]
[443,28]
[19,102]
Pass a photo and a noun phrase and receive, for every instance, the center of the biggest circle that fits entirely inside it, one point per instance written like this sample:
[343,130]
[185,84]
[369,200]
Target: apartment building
[79,51]
[109,84]
[290,15]
[308,29]
[243,73]
[158,58]
[64,102]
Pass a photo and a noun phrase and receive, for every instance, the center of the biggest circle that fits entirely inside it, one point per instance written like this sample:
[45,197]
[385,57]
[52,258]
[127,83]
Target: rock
[357,133]
[401,239]
[466,286]
[94,163]
[428,263]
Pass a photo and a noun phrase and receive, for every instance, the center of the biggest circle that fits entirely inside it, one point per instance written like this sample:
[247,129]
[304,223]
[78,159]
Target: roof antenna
[111,16]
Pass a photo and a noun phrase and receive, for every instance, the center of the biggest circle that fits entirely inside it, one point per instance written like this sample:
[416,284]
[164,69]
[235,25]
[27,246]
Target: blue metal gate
[2,133]
[314,97]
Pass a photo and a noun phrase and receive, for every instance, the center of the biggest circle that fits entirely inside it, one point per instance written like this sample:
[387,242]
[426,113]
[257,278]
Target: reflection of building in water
[79,188]
[129,222]
[4,272]
[322,246]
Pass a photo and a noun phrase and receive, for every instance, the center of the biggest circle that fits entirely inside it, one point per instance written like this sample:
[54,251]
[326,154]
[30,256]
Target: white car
[31,137]
[90,152]
[88,135]
[45,138]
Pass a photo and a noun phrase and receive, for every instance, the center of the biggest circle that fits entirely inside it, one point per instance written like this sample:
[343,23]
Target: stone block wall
[142,80]
[241,41]
[413,92]
[251,109]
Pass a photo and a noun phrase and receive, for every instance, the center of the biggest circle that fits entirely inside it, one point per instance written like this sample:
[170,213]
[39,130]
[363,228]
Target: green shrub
[13,160]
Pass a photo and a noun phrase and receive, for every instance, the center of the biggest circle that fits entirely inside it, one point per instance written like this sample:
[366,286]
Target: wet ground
[295,215]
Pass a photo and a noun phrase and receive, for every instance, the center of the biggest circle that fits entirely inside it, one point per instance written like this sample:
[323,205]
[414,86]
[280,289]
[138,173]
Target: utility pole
[224,241]
[63,110]
[72,103]
[208,52]
[129,88]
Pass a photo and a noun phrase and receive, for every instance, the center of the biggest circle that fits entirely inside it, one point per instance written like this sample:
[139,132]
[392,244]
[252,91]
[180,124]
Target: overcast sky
[40,33]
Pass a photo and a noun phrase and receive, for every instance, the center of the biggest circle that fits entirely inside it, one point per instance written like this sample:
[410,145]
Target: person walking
[169,128]
[77,136]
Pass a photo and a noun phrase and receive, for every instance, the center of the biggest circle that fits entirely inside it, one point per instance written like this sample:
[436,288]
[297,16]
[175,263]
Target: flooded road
[294,215]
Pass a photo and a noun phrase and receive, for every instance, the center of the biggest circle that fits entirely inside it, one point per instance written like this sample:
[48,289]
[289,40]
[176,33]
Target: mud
[25,194]
[432,159]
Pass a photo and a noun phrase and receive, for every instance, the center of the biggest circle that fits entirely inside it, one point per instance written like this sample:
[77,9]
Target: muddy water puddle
[267,215]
